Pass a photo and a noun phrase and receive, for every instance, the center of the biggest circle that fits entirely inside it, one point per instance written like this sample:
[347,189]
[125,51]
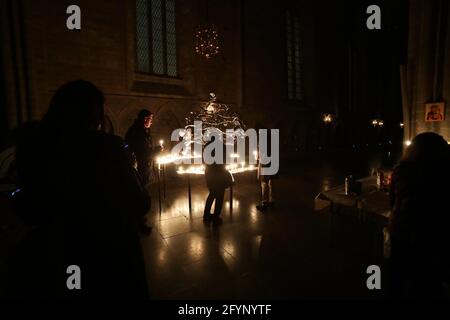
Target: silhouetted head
[76,107]
[427,148]
[212,139]
[145,117]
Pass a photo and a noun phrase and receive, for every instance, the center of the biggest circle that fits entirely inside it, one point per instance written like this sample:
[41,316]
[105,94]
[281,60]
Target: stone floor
[286,252]
[283,253]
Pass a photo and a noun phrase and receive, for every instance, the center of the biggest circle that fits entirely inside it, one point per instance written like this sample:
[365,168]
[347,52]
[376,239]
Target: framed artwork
[434,112]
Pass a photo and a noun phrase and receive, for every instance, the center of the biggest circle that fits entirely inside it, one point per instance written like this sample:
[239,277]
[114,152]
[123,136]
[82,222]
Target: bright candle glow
[408,142]
[170,158]
[327,118]
[233,168]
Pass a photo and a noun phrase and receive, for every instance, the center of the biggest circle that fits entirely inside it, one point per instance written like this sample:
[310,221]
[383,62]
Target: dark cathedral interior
[111,111]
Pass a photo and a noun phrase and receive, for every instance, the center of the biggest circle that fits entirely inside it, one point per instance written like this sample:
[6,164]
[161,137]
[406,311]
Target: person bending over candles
[218,178]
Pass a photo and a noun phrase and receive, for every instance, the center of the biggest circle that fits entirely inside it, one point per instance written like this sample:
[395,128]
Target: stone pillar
[428,65]
[14,64]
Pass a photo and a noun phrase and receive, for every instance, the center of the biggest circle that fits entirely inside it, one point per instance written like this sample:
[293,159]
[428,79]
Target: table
[195,170]
[372,204]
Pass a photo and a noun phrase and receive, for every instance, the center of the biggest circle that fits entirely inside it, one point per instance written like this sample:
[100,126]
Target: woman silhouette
[81,195]
[420,241]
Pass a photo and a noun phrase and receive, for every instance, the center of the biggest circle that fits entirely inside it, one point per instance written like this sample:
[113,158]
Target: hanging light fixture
[207,42]
[207,39]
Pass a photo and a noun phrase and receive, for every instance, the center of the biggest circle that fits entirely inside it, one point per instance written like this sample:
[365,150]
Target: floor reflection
[283,252]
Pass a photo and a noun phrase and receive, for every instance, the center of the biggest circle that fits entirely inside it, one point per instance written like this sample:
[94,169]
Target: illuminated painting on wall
[434,111]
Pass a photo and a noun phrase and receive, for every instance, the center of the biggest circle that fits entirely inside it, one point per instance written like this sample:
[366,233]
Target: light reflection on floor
[284,252]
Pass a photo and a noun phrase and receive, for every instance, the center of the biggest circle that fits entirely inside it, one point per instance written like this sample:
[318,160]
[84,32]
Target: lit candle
[161,142]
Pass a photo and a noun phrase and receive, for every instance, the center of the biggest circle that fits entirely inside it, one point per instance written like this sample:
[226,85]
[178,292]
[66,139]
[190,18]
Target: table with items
[370,203]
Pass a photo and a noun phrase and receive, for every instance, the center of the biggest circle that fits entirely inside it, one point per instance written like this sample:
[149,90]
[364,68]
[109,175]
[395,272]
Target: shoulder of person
[133,128]
[109,141]
[405,170]
[405,166]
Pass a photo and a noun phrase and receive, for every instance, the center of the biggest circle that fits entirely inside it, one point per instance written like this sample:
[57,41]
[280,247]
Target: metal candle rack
[234,169]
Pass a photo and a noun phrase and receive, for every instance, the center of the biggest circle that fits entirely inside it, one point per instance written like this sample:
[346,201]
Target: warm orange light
[327,118]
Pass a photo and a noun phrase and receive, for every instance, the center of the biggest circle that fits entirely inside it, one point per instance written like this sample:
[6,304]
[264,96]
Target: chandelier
[207,41]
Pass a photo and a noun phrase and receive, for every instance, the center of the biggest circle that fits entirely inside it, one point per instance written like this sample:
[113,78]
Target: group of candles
[200,169]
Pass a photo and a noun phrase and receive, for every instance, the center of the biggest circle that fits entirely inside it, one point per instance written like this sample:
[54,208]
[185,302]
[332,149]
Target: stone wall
[249,73]
[428,65]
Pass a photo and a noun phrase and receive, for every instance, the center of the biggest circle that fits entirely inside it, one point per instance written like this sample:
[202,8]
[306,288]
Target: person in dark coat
[218,178]
[140,143]
[420,241]
[82,196]
[141,149]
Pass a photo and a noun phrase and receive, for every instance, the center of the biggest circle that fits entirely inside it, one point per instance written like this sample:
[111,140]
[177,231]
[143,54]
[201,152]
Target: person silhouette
[141,145]
[266,181]
[419,263]
[218,178]
[84,201]
[142,151]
